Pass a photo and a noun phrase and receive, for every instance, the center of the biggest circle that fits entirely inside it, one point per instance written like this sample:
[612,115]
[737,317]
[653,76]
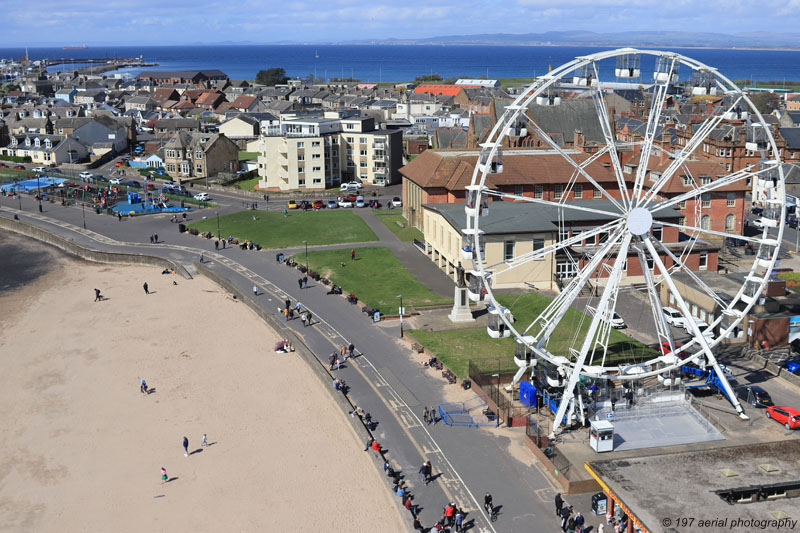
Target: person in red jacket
[449,513]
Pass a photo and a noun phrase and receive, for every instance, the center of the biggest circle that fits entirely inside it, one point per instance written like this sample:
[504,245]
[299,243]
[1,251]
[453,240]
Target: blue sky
[51,22]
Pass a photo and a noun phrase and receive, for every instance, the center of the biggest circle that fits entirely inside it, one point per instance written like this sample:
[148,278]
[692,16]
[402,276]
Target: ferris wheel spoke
[733,177]
[590,338]
[653,119]
[662,328]
[692,229]
[698,335]
[608,133]
[708,125]
[683,268]
[546,138]
[576,207]
[553,313]
[551,249]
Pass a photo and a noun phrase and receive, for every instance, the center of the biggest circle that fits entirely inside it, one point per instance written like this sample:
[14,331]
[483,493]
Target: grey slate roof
[792,137]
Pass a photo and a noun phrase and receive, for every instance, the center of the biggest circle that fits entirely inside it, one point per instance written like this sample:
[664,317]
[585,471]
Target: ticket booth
[601,436]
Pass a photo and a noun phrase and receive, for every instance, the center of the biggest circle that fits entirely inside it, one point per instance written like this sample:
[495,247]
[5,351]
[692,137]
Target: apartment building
[322,151]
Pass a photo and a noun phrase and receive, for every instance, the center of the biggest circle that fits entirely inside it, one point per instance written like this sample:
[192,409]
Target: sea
[386,63]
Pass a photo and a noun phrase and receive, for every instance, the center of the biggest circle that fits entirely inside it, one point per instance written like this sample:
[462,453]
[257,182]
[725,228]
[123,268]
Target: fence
[490,376]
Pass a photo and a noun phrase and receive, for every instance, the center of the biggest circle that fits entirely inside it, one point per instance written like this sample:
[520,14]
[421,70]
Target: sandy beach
[81,447]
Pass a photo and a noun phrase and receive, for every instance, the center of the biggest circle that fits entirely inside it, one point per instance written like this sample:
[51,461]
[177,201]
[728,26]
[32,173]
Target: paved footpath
[384,380]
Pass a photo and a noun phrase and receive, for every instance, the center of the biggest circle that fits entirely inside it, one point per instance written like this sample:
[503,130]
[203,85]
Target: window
[558,191]
[349,139]
[705,200]
[351,126]
[651,264]
[363,153]
[538,191]
[731,200]
[362,140]
[301,169]
[682,204]
[335,153]
[730,222]
[602,237]
[315,156]
[682,221]
[301,157]
[538,244]
[363,164]
[596,193]
[705,180]
[316,169]
[657,233]
[518,190]
[687,180]
[300,144]
[705,222]
[199,168]
[694,309]
[509,251]
[578,191]
[671,298]
[703,260]
[317,180]
[315,144]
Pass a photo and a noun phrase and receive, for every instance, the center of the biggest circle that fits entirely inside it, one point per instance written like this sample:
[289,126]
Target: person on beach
[143,386]
[185,447]
[163,475]
[97,297]
[204,440]
[146,288]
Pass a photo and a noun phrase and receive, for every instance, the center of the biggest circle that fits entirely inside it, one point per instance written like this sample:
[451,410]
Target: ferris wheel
[633,210]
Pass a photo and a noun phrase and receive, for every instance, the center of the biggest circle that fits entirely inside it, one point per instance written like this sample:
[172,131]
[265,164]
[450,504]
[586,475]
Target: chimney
[578,139]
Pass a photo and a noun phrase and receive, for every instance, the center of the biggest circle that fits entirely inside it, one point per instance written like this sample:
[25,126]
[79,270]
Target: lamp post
[306,243]
[401,314]
[219,233]
[39,191]
[83,209]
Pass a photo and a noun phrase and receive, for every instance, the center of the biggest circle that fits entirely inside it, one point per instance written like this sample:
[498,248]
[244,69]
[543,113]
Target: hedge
[15,158]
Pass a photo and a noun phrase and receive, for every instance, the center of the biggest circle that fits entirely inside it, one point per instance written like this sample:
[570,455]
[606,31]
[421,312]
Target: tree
[765,102]
[428,78]
[271,76]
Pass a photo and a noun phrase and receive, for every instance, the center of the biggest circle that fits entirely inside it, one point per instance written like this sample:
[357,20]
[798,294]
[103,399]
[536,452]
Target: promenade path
[384,381]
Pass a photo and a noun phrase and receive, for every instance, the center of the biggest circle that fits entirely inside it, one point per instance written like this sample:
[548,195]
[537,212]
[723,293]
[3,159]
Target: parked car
[344,202]
[755,396]
[67,184]
[305,204]
[397,202]
[757,223]
[3,165]
[360,202]
[115,181]
[133,184]
[616,321]
[353,185]
[318,204]
[202,196]
[38,169]
[85,175]
[664,347]
[792,365]
[19,167]
[673,317]
[332,204]
[150,186]
[291,204]
[701,325]
[788,416]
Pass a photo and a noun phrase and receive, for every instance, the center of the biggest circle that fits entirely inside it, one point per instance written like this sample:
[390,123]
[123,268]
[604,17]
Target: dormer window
[48,144]
[705,180]
[27,141]
[37,143]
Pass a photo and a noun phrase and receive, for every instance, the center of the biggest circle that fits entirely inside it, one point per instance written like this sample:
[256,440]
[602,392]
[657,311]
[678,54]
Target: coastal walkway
[384,380]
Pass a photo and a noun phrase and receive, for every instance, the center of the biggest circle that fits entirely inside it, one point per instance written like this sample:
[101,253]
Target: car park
[788,416]
[85,175]
[397,202]
[291,204]
[360,202]
[673,317]
[38,169]
[318,204]
[332,204]
[755,396]
[202,196]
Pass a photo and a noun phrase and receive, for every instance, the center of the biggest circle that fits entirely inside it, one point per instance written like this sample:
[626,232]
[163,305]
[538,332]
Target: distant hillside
[631,38]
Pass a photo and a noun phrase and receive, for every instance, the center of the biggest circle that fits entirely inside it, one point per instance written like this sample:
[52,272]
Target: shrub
[15,158]
[193,231]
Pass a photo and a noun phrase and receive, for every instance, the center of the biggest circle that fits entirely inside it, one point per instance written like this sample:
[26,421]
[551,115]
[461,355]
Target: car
[3,165]
[757,211]
[318,204]
[755,396]
[150,186]
[202,196]
[757,223]
[100,178]
[118,164]
[38,169]
[665,349]
[352,185]
[701,325]
[19,167]
[792,365]
[616,321]
[788,416]
[332,204]
[344,202]
[397,202]
[85,175]
[673,317]
[133,184]
[67,184]
[115,181]
[360,201]
[305,204]
[292,204]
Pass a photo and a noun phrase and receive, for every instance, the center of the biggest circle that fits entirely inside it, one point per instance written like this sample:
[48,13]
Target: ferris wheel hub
[639,221]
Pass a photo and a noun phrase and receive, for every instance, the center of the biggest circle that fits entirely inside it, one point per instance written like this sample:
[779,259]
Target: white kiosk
[601,436]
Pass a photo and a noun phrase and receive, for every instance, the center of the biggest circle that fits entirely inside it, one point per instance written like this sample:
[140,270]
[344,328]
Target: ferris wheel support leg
[518,376]
[698,335]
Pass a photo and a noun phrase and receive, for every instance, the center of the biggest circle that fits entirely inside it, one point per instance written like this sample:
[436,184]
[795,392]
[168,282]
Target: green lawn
[272,230]
[376,277]
[398,225]
[244,156]
[247,185]
[456,347]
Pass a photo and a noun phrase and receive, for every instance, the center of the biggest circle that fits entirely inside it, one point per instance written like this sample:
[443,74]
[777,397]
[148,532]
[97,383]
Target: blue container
[527,393]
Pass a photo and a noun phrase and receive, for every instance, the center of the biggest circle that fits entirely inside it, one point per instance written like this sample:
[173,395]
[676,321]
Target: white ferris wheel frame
[621,239]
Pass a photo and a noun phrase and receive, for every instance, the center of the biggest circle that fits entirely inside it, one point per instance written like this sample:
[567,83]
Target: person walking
[579,521]
[331,361]
[255,290]
[163,475]
[433,415]
[308,316]
[216,245]
[288,303]
[425,414]
[97,297]
[155,238]
[202,258]
[303,318]
[204,440]
[428,472]
[459,521]
[559,504]
[343,352]
[305,282]
[351,349]
[449,513]
[185,447]
[300,283]
[338,364]
[286,314]
[151,239]
[352,255]
[418,524]
[297,307]
[421,472]
[565,512]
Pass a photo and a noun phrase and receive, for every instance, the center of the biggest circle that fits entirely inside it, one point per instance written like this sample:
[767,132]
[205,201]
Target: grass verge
[398,225]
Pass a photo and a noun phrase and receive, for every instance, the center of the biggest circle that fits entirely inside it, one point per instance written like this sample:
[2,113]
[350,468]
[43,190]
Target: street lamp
[219,233]
[401,314]
[39,191]
[306,243]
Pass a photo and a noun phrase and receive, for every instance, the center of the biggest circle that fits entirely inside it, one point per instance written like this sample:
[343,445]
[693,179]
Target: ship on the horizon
[81,47]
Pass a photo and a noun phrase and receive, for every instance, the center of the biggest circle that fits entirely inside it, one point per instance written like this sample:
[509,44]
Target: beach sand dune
[81,448]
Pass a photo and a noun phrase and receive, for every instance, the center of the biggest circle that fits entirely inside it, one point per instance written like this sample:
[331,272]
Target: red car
[665,349]
[350,198]
[318,204]
[3,165]
[788,416]
[19,167]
